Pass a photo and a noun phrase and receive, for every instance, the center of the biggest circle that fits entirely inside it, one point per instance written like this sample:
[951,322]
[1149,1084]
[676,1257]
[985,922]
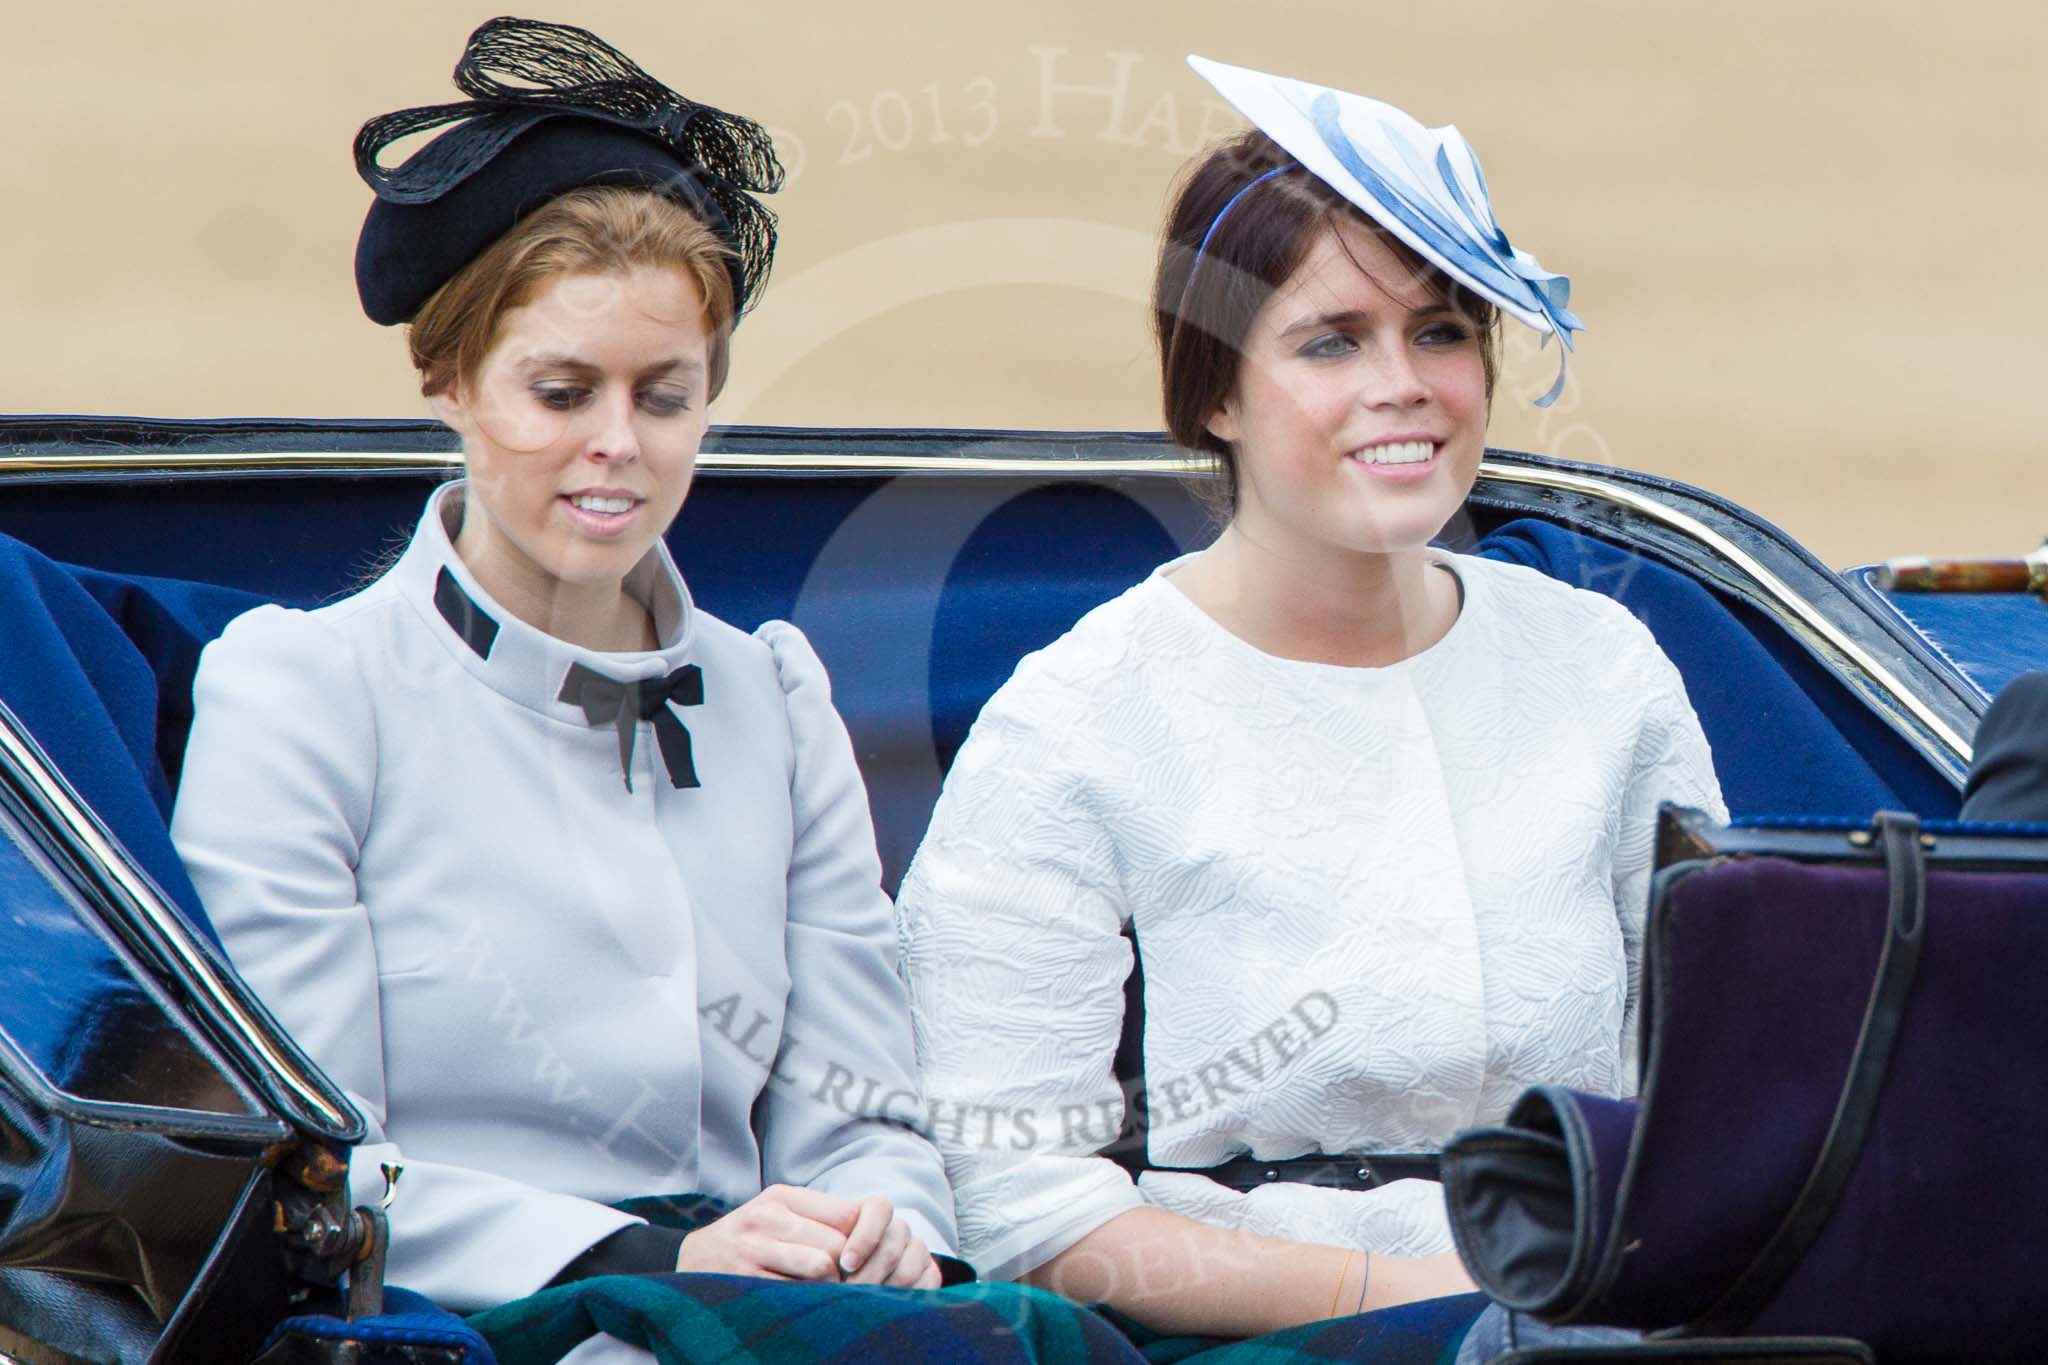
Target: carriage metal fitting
[321,1168]
[1863,838]
[366,1276]
[1922,573]
[316,1227]
[325,1238]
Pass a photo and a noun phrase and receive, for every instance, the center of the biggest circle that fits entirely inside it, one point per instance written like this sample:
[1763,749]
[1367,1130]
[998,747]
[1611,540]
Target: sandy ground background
[1805,237]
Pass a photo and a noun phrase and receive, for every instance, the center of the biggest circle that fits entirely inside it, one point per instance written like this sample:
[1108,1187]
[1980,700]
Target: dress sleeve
[843,1113]
[275,801]
[1671,763]
[1010,916]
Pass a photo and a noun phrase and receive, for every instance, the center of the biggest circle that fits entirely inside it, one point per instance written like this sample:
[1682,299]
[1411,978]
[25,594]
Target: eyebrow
[556,360]
[1352,317]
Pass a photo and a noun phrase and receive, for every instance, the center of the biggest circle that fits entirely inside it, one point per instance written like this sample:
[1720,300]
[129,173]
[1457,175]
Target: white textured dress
[544,992]
[1374,905]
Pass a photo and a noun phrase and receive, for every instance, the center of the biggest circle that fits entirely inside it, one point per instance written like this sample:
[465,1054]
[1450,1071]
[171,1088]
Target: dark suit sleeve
[636,1250]
[2009,774]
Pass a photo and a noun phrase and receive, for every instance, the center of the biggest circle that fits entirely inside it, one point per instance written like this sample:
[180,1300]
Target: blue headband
[1224,212]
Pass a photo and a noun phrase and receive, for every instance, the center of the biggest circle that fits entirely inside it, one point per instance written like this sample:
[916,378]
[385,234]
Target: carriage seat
[98,666]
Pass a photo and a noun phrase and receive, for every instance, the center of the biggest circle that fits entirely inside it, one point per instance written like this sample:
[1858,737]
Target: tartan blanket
[741,1320]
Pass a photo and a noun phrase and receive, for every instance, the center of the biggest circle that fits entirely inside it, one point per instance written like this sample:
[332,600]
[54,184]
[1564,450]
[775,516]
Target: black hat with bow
[551,108]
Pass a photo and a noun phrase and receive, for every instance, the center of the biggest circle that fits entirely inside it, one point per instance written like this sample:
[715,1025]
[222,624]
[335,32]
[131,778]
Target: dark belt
[1367,1172]
[1364,1171]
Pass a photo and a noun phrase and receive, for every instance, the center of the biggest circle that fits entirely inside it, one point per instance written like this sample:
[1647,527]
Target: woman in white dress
[1377,816]
[571,886]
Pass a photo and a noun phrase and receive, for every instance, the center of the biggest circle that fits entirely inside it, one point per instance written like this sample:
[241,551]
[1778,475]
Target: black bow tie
[623,705]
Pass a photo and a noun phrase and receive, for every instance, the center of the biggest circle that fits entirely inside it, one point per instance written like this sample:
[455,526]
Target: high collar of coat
[524,664]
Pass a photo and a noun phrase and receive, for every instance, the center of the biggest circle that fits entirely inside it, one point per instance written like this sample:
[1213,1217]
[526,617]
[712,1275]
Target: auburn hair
[597,230]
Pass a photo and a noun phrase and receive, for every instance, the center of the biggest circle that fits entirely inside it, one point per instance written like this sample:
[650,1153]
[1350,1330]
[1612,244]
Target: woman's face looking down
[581,430]
[1358,415]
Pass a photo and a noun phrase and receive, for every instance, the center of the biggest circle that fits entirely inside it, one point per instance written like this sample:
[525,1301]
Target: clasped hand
[789,1233]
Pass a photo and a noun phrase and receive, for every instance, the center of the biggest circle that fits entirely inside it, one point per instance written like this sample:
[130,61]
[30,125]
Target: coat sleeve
[1011,917]
[1670,762]
[843,1112]
[276,799]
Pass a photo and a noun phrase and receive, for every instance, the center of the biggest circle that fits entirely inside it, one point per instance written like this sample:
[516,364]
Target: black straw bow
[519,71]
[623,705]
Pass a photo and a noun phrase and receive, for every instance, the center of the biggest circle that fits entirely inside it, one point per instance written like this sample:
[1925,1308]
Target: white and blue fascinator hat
[1422,184]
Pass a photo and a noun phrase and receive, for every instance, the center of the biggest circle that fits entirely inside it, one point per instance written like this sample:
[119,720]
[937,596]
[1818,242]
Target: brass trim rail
[174,462]
[1798,613]
[170,462]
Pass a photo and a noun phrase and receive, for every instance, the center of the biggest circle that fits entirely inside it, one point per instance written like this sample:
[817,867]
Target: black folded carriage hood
[157,1129]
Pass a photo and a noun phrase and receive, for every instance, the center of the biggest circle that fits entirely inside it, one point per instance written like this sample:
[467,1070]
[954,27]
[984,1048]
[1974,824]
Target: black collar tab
[477,627]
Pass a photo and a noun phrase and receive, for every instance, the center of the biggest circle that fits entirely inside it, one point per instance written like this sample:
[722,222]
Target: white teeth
[1396,452]
[594,504]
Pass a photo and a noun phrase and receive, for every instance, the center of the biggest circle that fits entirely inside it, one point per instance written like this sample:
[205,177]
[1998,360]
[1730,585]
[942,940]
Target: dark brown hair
[1201,322]
[606,229]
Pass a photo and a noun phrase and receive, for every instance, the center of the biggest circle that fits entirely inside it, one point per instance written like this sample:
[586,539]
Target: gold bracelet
[1338,1292]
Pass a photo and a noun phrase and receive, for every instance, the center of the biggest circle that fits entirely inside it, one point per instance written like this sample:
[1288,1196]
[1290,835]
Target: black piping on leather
[1897,965]
[1132,1148]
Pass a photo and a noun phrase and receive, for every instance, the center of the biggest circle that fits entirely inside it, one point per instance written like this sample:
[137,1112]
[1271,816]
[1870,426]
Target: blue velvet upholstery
[920,595]
[99,669]
[1787,736]
[1990,638]
[408,1320]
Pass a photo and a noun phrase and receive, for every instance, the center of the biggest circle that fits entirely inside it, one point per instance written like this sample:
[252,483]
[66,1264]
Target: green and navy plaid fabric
[740,1320]
[743,1320]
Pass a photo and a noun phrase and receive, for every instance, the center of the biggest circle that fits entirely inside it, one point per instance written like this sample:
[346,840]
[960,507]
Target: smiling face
[580,433]
[1358,415]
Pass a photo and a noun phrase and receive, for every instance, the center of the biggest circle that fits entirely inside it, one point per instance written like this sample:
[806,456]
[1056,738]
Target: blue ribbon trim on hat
[1489,260]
